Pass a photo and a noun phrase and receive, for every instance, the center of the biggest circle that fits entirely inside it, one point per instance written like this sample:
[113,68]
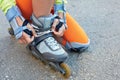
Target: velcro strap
[37,40]
[59,26]
[57,17]
[18,31]
[27,31]
[25,22]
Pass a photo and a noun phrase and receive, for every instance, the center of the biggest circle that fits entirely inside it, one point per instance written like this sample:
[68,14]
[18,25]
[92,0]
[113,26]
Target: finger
[22,41]
[34,33]
[66,26]
[25,39]
[57,33]
[55,22]
[32,29]
[61,31]
[29,40]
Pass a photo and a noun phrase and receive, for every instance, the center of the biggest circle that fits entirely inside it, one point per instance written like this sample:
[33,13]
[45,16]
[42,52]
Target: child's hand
[25,39]
[61,30]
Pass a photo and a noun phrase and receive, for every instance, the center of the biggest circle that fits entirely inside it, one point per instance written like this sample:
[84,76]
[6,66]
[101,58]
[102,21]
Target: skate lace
[52,43]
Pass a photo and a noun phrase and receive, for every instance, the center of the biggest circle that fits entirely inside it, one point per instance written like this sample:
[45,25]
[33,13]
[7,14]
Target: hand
[61,31]
[25,39]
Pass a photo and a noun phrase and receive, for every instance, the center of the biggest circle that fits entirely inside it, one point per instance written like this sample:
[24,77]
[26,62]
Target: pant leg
[25,7]
[75,37]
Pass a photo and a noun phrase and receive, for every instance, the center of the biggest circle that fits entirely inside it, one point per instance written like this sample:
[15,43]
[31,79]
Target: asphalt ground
[99,18]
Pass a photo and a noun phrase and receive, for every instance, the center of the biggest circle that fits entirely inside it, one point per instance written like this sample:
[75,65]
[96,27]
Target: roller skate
[46,48]
[49,51]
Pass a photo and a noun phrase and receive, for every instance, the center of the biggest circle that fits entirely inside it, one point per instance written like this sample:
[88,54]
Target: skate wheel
[67,70]
[11,32]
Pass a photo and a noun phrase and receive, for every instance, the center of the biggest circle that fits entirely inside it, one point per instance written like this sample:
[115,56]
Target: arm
[16,21]
[60,21]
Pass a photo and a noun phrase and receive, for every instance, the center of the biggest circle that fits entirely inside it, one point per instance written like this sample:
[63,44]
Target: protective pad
[11,16]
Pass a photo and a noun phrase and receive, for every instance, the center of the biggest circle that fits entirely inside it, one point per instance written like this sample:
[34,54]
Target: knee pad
[75,37]
[77,46]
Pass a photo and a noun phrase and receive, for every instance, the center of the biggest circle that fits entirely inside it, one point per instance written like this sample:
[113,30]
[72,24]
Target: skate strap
[57,17]
[25,22]
[18,31]
[59,25]
[27,31]
[37,40]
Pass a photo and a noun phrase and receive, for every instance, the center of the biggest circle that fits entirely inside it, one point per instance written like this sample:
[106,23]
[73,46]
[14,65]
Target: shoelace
[52,43]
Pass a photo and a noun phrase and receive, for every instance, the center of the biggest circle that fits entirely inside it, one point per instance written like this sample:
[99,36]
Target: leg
[42,9]
[25,7]
[41,16]
[75,37]
[28,7]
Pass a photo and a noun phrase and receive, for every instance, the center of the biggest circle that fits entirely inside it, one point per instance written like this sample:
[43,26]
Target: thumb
[29,40]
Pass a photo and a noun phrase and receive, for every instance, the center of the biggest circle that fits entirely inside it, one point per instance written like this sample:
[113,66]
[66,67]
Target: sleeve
[6,4]
[59,6]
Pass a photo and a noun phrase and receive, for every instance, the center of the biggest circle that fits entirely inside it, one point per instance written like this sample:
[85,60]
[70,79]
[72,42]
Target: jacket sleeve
[6,4]
[59,6]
